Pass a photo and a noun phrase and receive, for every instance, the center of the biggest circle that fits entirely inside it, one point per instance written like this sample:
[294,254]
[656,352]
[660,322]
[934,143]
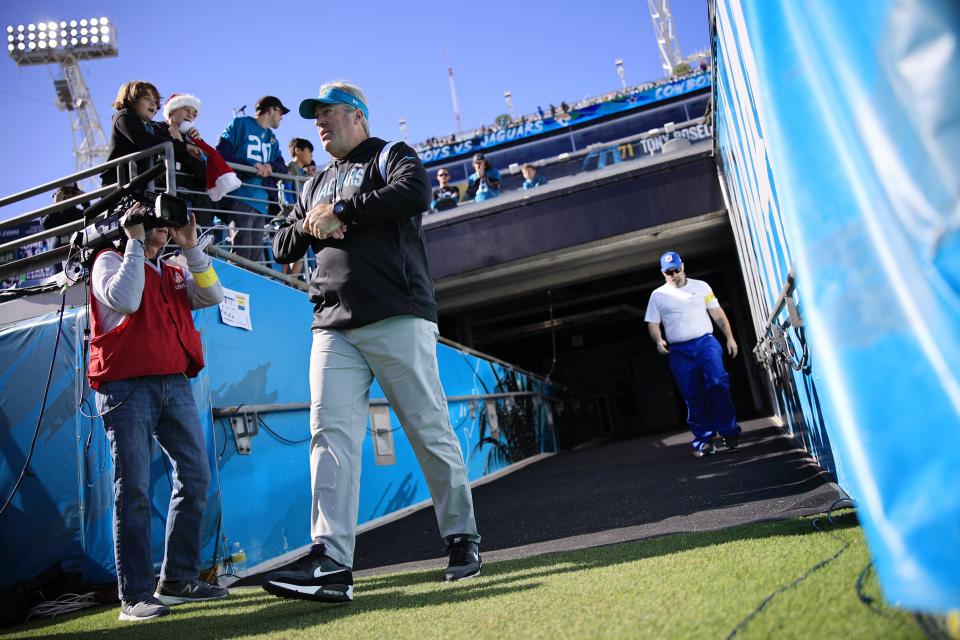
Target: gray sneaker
[182,591]
[146,609]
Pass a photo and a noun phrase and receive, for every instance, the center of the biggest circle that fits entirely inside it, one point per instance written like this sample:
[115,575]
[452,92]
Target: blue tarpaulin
[258,503]
[837,128]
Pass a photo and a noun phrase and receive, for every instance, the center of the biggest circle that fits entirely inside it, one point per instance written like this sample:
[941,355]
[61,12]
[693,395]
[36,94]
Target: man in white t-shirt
[684,307]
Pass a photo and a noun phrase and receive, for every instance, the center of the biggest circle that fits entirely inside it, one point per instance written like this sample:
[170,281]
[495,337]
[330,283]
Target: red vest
[159,338]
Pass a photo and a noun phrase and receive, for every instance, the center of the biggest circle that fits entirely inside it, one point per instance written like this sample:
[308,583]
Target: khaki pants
[402,353]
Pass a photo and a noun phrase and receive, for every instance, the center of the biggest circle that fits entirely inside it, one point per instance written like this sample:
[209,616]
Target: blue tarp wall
[258,503]
[837,126]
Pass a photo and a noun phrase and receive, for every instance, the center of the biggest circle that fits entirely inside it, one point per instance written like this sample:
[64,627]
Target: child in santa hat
[180,111]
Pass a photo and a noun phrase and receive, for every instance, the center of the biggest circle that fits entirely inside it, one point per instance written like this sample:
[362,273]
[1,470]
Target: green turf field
[698,585]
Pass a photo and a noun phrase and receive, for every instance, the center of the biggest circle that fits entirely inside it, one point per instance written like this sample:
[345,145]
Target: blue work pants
[697,366]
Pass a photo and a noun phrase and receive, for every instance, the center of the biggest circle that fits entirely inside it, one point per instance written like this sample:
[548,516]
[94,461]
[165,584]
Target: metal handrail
[25,265]
[787,290]
[165,147]
[772,343]
[223,412]
[256,267]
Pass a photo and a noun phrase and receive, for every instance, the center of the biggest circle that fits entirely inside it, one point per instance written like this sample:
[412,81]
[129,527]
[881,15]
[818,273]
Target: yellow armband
[710,298]
[205,279]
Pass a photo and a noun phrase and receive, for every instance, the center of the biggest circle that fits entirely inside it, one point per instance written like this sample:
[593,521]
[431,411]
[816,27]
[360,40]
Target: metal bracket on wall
[245,425]
[491,408]
[383,451]
[793,313]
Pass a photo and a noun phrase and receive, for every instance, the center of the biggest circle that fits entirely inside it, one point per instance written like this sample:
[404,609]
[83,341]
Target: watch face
[338,208]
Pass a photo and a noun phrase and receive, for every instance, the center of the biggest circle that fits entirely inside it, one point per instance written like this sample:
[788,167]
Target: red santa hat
[221,179]
[178,100]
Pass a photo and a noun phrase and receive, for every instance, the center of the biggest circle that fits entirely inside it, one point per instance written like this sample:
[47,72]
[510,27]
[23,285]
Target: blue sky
[230,53]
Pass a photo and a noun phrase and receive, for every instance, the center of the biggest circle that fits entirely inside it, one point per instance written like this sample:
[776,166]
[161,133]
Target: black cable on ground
[43,406]
[875,606]
[934,627]
[763,604]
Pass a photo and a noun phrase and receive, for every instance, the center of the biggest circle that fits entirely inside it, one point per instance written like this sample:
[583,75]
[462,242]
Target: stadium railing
[601,154]
[25,255]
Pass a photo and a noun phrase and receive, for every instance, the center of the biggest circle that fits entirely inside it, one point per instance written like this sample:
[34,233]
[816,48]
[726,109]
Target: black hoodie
[379,269]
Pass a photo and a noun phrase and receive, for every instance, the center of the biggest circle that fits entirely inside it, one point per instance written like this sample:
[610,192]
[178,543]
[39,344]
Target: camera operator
[143,349]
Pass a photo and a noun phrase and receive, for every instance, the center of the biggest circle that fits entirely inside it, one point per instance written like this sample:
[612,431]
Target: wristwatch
[339,207]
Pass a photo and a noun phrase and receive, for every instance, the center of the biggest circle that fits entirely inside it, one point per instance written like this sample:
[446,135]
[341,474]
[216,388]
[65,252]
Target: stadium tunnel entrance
[584,327]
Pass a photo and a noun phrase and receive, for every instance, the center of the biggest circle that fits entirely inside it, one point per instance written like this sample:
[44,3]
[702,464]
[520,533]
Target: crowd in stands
[483,184]
[257,197]
[561,113]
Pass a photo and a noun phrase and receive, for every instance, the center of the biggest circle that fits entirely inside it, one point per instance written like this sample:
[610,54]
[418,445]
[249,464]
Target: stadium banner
[645,97]
[27,251]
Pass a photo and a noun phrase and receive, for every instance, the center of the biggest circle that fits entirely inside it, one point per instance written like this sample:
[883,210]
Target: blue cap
[331,95]
[670,260]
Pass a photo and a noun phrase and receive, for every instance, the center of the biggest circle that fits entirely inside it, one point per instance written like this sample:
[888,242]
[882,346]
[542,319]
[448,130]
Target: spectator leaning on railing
[484,182]
[134,130]
[302,164]
[530,177]
[446,195]
[251,141]
[212,176]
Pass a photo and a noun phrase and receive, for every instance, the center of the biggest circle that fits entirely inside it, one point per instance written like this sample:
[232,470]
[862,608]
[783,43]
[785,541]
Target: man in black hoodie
[374,316]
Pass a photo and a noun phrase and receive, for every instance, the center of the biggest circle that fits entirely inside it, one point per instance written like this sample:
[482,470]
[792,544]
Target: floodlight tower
[66,43]
[667,40]
[618,63]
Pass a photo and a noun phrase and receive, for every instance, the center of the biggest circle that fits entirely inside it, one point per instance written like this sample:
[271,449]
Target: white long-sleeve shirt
[117,282]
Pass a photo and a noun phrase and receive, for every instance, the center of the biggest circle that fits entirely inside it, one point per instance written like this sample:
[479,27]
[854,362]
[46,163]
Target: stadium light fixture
[51,41]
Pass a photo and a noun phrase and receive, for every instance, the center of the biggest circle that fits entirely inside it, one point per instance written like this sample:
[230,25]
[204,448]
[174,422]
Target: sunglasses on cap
[672,272]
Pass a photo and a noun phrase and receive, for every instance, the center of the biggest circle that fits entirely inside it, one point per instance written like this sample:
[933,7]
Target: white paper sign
[235,309]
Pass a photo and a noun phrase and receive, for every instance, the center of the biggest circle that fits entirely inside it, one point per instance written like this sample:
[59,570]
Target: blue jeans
[134,411]
[697,366]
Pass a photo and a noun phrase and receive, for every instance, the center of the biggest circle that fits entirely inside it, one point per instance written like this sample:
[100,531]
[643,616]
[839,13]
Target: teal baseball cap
[331,95]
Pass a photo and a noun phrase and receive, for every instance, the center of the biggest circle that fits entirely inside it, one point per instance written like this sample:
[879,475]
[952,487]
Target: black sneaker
[146,609]
[730,443]
[465,559]
[704,449]
[182,591]
[316,577]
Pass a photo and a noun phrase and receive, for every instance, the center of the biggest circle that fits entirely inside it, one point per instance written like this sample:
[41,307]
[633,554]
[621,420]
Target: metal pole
[453,98]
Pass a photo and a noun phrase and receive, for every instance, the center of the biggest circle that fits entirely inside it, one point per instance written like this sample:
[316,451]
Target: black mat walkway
[614,492]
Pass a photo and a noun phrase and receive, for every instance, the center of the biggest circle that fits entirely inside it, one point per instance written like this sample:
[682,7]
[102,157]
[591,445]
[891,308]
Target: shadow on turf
[387,593]
[621,484]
